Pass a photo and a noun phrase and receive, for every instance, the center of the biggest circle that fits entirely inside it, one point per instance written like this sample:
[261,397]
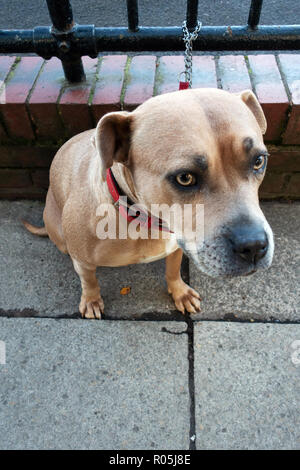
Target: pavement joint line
[165,330]
[158,316]
[191,382]
[173,315]
[248,321]
[191,376]
[191,360]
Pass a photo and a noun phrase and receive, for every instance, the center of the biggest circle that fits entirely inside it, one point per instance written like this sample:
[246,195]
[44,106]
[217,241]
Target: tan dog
[201,146]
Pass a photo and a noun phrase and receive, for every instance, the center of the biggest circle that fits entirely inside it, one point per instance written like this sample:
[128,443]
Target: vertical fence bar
[191,13]
[62,19]
[254,13]
[61,14]
[133,15]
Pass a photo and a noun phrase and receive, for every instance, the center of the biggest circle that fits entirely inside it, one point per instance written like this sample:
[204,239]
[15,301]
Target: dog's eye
[259,162]
[186,179]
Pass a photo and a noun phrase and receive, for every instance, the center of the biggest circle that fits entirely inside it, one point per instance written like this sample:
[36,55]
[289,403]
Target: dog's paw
[185,298]
[91,308]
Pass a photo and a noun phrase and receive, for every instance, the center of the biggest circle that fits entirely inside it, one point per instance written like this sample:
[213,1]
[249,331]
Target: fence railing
[69,41]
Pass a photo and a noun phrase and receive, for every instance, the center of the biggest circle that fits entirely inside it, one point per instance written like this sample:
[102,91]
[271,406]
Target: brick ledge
[39,110]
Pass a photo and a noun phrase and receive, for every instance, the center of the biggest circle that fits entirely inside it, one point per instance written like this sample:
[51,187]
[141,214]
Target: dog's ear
[112,139]
[251,101]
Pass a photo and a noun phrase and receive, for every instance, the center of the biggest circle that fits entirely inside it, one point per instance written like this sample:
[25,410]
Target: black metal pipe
[133,15]
[191,13]
[254,13]
[212,38]
[16,41]
[61,15]
[73,70]
[88,40]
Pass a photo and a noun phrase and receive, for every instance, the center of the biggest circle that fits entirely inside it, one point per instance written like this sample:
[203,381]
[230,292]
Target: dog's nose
[250,243]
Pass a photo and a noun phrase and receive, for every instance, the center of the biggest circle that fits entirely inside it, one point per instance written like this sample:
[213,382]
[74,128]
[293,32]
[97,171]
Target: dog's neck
[139,216]
[124,179]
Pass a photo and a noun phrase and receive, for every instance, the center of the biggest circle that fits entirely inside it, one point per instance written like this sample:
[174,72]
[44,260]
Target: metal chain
[188,39]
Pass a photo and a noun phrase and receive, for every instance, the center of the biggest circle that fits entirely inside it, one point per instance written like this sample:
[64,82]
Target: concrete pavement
[247,386]
[68,383]
[41,280]
[100,385]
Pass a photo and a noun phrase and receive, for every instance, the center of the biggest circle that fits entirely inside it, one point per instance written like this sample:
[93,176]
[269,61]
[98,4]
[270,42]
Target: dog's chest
[158,249]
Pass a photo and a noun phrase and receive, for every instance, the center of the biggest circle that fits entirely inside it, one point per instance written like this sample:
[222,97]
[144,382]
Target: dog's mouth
[222,270]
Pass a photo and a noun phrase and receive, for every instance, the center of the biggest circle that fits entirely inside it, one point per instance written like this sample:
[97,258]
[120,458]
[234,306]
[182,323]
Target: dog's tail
[41,231]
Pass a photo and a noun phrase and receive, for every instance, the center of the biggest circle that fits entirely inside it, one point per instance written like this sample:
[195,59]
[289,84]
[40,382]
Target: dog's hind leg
[184,296]
[91,303]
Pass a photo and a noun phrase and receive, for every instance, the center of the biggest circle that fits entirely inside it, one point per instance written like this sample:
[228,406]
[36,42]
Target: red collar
[140,216]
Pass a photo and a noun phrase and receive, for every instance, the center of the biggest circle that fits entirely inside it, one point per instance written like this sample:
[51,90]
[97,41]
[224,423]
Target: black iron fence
[69,41]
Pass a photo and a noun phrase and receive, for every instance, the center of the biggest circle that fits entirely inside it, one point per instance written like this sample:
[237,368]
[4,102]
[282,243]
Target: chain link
[188,39]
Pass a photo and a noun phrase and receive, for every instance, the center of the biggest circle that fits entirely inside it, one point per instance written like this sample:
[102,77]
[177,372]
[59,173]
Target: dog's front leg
[184,296]
[91,304]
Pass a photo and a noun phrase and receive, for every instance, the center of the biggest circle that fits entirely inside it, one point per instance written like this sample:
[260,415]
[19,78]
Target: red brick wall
[39,110]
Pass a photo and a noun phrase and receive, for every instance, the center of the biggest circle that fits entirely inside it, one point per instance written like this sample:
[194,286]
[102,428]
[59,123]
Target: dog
[198,147]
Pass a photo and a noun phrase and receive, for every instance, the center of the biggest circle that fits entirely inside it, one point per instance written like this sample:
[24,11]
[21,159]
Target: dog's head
[201,146]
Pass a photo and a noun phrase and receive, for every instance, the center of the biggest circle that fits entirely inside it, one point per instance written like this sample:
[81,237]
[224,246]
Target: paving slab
[73,384]
[38,279]
[269,295]
[247,386]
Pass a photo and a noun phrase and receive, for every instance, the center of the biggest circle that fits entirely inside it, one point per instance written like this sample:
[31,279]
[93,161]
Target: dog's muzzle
[238,249]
